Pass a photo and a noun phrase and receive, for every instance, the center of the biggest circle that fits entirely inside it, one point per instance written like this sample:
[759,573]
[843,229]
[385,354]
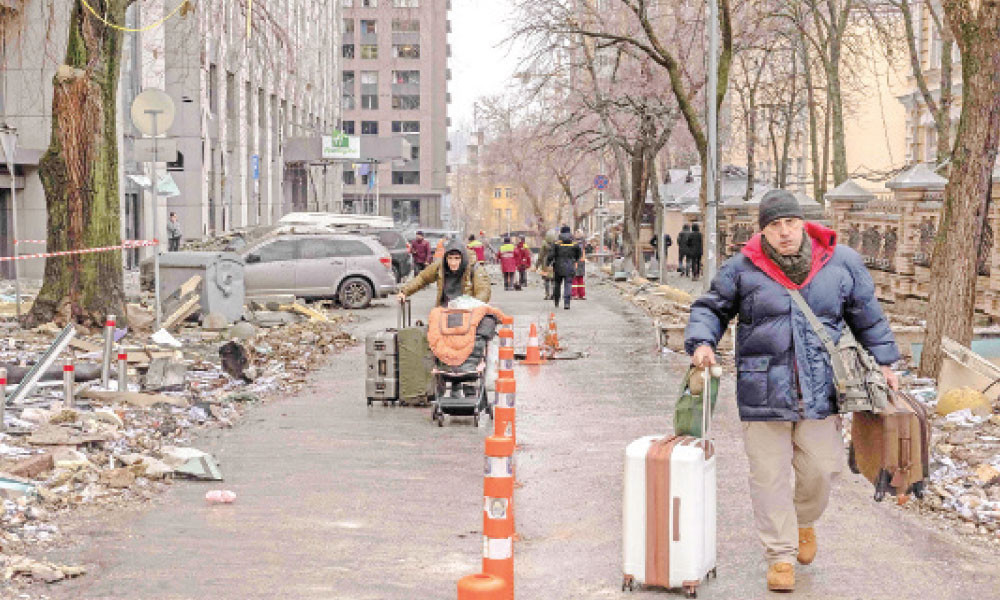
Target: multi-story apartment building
[238,100]
[921,133]
[394,83]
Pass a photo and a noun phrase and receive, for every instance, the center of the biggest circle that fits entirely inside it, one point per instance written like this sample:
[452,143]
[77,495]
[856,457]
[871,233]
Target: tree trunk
[951,305]
[751,143]
[80,175]
[819,179]
[836,116]
[633,213]
[943,120]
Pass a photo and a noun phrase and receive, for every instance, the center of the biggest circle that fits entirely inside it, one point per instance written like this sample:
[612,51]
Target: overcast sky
[481,63]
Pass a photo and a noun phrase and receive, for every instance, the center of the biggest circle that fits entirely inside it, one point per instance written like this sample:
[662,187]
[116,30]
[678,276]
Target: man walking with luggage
[785,388]
[563,259]
[420,249]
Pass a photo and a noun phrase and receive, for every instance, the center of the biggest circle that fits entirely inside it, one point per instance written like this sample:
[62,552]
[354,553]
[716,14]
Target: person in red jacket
[523,262]
[476,247]
[420,249]
[508,263]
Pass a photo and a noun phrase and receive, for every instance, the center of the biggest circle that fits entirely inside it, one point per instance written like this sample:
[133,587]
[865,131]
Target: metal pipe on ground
[109,340]
[68,383]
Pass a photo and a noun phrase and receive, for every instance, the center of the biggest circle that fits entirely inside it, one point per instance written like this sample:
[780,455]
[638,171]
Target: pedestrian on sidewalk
[508,263]
[563,259]
[477,248]
[544,267]
[694,251]
[455,276]
[784,383]
[523,262]
[580,274]
[174,234]
[683,266]
[420,250]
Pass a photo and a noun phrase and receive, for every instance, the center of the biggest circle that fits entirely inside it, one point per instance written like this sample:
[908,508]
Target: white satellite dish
[153,112]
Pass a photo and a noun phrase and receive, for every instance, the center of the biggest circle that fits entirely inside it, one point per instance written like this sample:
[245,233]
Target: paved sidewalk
[337,501]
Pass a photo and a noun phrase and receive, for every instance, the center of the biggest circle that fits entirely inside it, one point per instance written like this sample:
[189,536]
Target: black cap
[564,229]
[778,204]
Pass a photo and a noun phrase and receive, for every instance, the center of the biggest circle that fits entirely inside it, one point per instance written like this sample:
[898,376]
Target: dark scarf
[796,266]
[454,283]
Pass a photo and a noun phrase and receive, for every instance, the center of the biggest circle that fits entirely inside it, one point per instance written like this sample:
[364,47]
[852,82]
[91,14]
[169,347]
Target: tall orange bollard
[483,586]
[504,412]
[506,370]
[533,354]
[498,510]
[552,337]
[506,335]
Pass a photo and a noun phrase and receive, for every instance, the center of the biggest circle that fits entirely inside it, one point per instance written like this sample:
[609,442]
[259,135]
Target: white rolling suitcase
[669,510]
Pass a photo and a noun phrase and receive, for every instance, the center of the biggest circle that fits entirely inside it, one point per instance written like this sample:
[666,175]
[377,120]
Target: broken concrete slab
[274,318]
[311,314]
[134,398]
[118,478]
[16,487]
[214,322]
[192,463]
[57,435]
[962,367]
[242,331]
[70,458]
[165,374]
[33,466]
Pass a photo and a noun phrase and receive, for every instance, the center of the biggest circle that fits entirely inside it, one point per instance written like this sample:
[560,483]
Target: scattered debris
[192,462]
[220,497]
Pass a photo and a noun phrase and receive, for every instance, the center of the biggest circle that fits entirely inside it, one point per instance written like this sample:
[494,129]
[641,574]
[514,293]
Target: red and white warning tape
[125,245]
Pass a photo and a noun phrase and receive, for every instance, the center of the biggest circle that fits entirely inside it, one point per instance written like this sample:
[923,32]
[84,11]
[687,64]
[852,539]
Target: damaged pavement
[106,448]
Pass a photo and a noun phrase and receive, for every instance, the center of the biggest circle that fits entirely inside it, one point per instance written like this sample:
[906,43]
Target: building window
[347,79]
[349,177]
[406,50]
[369,3]
[369,90]
[406,101]
[369,127]
[406,77]
[414,152]
[347,3]
[347,50]
[406,3]
[347,127]
[347,26]
[369,51]
[369,26]
[405,25]
[498,192]
[369,101]
[406,126]
[406,177]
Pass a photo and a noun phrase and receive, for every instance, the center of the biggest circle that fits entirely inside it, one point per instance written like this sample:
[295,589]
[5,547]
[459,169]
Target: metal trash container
[222,289]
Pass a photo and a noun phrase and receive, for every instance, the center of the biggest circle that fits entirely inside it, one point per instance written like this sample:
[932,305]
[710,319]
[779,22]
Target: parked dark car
[399,248]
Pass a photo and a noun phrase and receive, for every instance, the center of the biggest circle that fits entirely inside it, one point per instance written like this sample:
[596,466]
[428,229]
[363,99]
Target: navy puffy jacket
[773,337]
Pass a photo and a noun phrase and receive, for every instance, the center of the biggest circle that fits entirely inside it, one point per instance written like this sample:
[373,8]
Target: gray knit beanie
[778,204]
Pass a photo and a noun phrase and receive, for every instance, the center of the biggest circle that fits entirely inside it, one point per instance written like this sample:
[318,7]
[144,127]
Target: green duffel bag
[687,412]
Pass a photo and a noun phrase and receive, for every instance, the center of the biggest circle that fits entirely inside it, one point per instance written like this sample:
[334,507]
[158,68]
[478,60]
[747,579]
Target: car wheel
[355,293]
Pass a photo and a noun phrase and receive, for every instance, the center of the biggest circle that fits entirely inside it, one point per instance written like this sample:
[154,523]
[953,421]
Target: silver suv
[351,268]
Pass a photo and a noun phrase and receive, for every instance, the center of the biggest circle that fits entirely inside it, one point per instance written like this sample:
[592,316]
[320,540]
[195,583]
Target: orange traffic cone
[533,356]
[552,338]
[483,586]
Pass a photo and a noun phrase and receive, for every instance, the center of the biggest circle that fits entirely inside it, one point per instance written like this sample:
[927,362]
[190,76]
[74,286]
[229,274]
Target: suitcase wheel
[369,402]
[628,583]
[691,593]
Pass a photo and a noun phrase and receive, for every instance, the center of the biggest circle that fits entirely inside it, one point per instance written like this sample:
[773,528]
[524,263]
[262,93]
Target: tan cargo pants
[812,451]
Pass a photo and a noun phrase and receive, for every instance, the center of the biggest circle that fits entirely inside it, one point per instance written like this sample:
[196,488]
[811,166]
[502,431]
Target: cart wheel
[369,402]
[690,593]
[441,421]
[475,419]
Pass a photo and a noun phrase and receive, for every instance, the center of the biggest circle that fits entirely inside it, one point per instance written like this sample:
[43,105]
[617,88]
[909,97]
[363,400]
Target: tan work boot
[781,577]
[807,545]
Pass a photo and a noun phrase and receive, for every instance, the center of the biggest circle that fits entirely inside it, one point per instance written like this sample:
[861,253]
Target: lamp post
[711,173]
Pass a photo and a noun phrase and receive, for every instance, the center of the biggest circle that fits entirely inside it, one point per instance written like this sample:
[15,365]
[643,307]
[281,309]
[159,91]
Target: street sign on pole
[600,201]
[255,166]
[601,182]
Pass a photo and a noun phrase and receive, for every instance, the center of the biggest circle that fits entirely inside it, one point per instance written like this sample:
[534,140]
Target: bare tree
[963,222]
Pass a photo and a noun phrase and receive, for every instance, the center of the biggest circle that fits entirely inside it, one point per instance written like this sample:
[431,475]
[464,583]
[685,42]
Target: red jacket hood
[824,241]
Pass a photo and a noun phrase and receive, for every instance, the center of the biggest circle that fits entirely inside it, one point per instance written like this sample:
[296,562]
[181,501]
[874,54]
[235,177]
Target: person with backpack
[565,254]
[785,388]
[477,248]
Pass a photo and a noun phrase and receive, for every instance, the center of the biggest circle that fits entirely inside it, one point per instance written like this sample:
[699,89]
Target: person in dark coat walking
[563,259]
[785,388]
[420,250]
[682,265]
[694,250]
[523,262]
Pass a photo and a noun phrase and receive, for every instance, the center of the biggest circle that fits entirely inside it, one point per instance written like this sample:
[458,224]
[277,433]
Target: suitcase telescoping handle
[706,399]
[405,314]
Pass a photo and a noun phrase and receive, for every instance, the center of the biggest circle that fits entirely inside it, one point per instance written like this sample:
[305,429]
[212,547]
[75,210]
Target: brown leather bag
[891,448]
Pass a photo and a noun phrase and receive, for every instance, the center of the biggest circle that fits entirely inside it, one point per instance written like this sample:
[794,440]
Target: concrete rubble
[115,447]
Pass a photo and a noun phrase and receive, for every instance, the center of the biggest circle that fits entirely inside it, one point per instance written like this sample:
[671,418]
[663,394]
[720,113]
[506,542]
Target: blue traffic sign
[601,182]
[255,166]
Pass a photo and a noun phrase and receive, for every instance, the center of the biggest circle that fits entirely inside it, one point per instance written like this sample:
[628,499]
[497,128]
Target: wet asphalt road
[339,501]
